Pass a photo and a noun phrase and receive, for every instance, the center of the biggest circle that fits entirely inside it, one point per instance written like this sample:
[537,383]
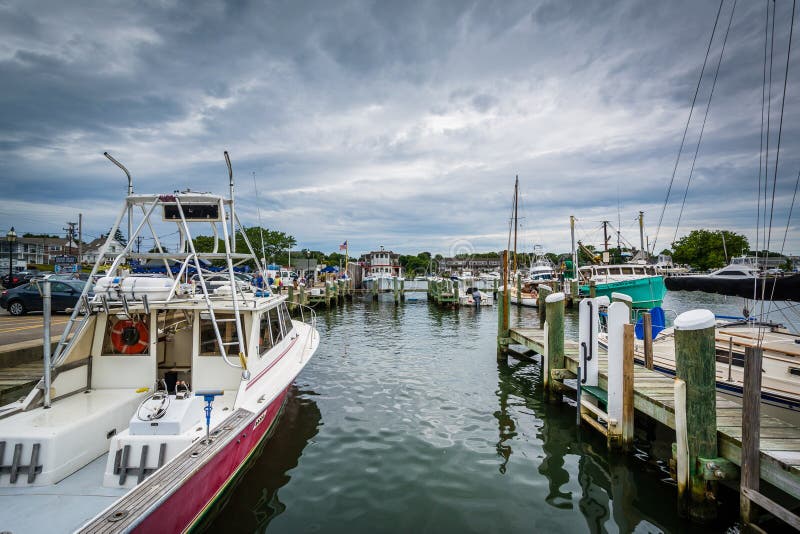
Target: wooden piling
[503,315]
[627,388]
[541,309]
[696,366]
[592,289]
[519,290]
[554,340]
[502,332]
[403,289]
[647,323]
[292,303]
[303,301]
[751,431]
[396,290]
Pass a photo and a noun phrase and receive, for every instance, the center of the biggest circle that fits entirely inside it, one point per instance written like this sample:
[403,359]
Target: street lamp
[11,237]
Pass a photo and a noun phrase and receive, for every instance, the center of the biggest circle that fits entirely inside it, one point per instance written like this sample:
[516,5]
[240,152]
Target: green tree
[275,243]
[413,265]
[28,234]
[704,249]
[120,237]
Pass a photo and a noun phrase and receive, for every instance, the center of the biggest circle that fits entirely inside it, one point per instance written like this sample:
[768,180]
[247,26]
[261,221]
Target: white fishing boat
[160,389]
[541,268]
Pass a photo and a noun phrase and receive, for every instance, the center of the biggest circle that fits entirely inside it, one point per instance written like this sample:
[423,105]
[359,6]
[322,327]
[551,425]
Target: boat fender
[130,337]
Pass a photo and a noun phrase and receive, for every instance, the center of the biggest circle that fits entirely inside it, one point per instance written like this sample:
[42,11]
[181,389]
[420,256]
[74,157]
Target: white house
[92,250]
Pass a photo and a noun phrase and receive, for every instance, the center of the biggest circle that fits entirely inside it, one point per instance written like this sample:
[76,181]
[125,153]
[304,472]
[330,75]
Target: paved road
[28,327]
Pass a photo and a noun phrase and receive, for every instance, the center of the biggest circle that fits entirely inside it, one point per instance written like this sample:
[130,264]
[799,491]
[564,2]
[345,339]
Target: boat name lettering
[259,419]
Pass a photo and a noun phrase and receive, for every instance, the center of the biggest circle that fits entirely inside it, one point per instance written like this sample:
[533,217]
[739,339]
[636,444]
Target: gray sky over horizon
[399,124]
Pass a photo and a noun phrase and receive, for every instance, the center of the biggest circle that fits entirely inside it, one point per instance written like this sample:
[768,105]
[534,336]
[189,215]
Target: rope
[686,128]
[705,118]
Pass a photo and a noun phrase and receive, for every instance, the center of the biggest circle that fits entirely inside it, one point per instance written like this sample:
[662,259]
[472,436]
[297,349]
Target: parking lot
[28,327]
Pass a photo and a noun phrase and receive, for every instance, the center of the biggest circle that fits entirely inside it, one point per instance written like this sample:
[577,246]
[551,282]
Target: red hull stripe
[270,366]
[181,509]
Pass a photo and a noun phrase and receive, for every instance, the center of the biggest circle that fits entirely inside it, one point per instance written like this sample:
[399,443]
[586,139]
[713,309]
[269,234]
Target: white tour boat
[161,388]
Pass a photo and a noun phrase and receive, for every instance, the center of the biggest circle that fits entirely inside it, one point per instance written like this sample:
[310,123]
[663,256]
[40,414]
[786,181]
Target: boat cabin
[606,273]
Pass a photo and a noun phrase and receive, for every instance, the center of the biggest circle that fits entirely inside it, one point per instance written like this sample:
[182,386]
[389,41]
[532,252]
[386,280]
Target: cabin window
[269,331]
[626,270]
[127,336]
[286,319]
[275,326]
[227,329]
[731,273]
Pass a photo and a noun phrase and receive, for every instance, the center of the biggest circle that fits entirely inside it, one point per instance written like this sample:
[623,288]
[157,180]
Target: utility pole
[139,244]
[70,229]
[80,238]
[605,236]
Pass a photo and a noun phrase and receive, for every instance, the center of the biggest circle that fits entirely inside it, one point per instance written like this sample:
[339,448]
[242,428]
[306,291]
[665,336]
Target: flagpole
[346,256]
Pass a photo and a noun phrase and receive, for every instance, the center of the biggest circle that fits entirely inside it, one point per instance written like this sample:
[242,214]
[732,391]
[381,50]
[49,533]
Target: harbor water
[404,421]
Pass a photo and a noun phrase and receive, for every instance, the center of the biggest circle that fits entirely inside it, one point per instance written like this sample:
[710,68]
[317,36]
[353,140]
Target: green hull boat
[646,292]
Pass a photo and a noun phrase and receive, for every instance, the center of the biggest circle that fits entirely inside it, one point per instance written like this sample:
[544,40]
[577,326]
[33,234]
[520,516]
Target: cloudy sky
[395,123]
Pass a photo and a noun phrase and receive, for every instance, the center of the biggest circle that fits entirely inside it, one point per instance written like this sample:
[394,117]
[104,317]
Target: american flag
[343,246]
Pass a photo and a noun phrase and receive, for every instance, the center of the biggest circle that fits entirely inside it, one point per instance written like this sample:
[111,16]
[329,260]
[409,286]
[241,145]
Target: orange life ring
[130,337]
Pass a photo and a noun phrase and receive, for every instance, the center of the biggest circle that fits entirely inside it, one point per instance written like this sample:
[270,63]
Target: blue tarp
[330,269]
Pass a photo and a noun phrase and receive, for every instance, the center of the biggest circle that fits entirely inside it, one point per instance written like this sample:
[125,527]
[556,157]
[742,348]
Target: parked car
[26,298]
[18,278]
[223,278]
[67,276]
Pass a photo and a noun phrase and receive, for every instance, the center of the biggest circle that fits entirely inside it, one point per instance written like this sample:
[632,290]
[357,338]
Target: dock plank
[653,396]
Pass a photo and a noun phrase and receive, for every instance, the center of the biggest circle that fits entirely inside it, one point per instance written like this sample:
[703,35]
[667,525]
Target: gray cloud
[394,123]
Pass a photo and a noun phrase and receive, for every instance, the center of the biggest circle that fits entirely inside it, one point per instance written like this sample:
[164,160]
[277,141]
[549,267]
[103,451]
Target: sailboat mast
[641,236]
[574,250]
[516,220]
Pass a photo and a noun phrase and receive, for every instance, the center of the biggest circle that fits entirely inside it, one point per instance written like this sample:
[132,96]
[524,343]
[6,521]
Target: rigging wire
[761,156]
[705,118]
[686,128]
[778,151]
[260,226]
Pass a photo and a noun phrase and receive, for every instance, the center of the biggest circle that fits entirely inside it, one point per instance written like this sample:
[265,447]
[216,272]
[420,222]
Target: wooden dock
[327,293]
[654,397]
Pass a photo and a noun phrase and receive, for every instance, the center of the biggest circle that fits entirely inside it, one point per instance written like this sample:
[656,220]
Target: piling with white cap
[695,358]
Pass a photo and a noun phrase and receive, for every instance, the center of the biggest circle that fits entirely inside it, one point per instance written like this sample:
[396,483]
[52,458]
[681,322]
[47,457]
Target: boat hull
[646,292]
[529,302]
[184,502]
[186,506]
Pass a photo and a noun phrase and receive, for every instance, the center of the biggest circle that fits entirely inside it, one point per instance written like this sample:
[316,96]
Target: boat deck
[654,396]
[127,512]
[76,499]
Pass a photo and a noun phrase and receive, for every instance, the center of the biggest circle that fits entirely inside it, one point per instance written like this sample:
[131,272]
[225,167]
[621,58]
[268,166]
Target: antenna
[233,219]
[130,189]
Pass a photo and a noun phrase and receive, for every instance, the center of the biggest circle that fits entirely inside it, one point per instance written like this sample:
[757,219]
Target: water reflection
[612,491]
[253,501]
